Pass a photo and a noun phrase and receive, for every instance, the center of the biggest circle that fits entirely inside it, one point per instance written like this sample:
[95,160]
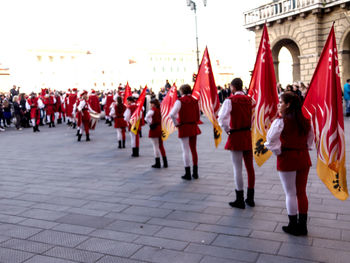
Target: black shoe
[250,197]
[59,121]
[165,162]
[137,152]
[195,172]
[79,137]
[74,125]
[120,144]
[133,152]
[50,125]
[302,224]
[53,124]
[87,137]
[187,175]
[157,164]
[34,128]
[37,128]
[292,227]
[78,132]
[239,203]
[124,144]
[110,123]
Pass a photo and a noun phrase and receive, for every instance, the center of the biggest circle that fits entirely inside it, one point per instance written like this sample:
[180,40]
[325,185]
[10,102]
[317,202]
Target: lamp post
[193,7]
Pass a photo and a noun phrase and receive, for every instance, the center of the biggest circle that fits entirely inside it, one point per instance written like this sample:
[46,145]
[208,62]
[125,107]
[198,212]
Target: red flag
[167,104]
[206,92]
[263,91]
[137,115]
[127,93]
[323,105]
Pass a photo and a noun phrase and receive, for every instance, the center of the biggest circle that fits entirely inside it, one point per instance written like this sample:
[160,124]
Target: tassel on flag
[127,93]
[167,104]
[323,105]
[137,115]
[263,91]
[206,92]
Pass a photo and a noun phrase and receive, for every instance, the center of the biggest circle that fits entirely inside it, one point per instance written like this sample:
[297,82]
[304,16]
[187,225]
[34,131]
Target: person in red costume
[58,108]
[34,104]
[290,137]
[186,116]
[50,101]
[84,109]
[117,112]
[235,118]
[72,98]
[107,102]
[94,102]
[134,139]
[154,120]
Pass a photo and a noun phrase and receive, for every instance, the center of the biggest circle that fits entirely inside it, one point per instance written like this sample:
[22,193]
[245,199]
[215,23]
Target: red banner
[323,105]
[137,115]
[127,93]
[263,91]
[167,104]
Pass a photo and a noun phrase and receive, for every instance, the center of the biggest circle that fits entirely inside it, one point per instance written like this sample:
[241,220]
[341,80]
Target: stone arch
[294,50]
[345,56]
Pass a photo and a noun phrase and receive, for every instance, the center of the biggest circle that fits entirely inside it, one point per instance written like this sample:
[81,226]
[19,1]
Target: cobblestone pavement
[64,201]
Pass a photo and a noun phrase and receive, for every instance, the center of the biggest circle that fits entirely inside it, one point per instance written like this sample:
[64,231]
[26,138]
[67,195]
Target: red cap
[93,91]
[75,89]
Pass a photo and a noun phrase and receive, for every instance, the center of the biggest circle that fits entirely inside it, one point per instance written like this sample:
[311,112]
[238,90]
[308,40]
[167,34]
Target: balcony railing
[284,8]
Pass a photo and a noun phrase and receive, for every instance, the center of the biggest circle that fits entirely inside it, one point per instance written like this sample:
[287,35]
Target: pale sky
[124,27]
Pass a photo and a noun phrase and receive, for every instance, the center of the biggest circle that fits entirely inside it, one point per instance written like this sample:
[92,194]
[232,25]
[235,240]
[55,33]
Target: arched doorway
[345,53]
[294,52]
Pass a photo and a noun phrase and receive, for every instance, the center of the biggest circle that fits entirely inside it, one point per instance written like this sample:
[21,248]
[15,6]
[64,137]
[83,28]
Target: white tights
[186,151]
[155,144]
[33,122]
[119,134]
[237,157]
[132,139]
[289,187]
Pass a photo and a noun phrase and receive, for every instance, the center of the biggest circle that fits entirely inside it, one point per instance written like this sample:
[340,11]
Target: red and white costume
[186,116]
[235,118]
[34,105]
[107,102]
[72,98]
[84,110]
[293,161]
[119,123]
[154,118]
[94,102]
[50,102]
[135,139]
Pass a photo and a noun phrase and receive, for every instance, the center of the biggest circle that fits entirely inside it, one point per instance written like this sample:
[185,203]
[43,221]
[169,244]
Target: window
[39,58]
[51,58]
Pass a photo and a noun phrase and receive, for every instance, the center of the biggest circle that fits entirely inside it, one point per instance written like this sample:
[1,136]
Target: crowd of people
[289,137]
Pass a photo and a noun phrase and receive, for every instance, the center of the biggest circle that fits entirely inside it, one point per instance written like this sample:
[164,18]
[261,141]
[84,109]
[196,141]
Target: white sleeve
[273,142]
[41,104]
[127,115]
[148,117]
[310,138]
[104,99]
[225,115]
[27,105]
[175,111]
[81,105]
[112,112]
[54,100]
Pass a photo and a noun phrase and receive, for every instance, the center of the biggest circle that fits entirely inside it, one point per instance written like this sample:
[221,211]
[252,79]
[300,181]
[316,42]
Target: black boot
[120,144]
[133,152]
[87,137]
[34,128]
[239,203]
[59,121]
[157,164]
[302,224]
[74,125]
[79,137]
[195,172]
[37,128]
[165,162]
[292,227]
[187,175]
[78,132]
[50,125]
[137,152]
[250,197]
[110,123]
[53,124]
[123,143]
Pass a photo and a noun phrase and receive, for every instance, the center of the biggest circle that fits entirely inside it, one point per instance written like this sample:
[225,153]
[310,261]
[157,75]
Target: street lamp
[193,7]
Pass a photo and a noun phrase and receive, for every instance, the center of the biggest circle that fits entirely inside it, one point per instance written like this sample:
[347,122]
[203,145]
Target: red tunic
[295,154]
[49,104]
[109,101]
[155,130]
[240,138]
[71,99]
[85,113]
[119,121]
[58,104]
[188,117]
[94,103]
[34,113]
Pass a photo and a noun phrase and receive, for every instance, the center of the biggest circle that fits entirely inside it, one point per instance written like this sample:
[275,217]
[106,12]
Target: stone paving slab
[69,202]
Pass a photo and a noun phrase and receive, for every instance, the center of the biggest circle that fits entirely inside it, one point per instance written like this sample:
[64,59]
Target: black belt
[238,130]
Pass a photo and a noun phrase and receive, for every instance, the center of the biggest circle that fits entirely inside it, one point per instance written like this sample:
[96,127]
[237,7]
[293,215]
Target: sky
[122,28]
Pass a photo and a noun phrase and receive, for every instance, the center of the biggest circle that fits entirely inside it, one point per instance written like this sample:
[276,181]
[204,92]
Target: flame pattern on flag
[323,105]
[167,104]
[262,90]
[137,115]
[206,92]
